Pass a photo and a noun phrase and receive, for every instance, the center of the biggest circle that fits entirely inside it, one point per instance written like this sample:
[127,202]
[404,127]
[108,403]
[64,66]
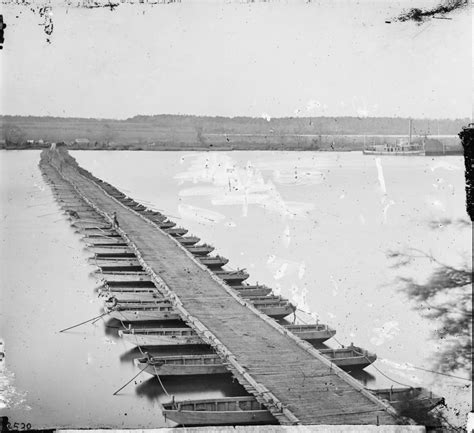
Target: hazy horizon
[212,116]
[267,60]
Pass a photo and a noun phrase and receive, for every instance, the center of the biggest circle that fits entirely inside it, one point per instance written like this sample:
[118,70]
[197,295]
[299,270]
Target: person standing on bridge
[115,220]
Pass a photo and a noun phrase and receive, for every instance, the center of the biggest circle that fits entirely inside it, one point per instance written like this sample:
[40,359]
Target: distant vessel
[405,148]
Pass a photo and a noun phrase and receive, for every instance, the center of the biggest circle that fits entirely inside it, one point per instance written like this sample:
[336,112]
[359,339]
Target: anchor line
[305,312]
[134,377]
[138,345]
[96,320]
[439,372]
[47,214]
[413,366]
[82,323]
[154,368]
[136,338]
[121,321]
[380,371]
[159,380]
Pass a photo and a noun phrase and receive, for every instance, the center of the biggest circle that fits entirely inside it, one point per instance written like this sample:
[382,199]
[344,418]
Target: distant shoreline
[447,151]
[202,133]
[203,130]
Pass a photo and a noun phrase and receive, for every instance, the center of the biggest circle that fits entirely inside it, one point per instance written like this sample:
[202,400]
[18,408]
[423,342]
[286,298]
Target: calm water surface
[314,226]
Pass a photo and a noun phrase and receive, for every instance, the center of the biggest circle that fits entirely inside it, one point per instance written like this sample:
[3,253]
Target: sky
[271,59]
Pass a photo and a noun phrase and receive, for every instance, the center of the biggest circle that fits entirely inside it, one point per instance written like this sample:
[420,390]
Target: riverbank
[198,133]
[437,150]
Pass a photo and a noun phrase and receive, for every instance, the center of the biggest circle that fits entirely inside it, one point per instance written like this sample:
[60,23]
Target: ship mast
[409,131]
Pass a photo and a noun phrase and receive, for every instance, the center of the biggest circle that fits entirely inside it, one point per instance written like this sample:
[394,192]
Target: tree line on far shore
[175,131]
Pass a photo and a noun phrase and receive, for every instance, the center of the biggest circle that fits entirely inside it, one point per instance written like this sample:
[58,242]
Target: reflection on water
[151,389]
[130,355]
[319,345]
[363,377]
[111,327]
[219,385]
[316,227]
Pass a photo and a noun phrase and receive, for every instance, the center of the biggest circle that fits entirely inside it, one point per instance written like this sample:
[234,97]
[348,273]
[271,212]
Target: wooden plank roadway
[302,380]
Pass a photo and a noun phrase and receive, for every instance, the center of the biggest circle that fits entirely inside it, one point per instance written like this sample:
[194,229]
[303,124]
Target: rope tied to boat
[371,363]
[138,345]
[299,318]
[86,321]
[159,380]
[134,377]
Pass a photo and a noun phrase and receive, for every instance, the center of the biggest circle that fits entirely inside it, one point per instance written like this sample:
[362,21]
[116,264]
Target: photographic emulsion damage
[239,216]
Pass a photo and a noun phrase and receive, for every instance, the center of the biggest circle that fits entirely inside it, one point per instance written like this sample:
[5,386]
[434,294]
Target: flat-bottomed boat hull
[197,418]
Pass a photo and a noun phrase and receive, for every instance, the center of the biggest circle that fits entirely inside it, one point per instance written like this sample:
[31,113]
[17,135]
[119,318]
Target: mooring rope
[47,214]
[82,323]
[408,365]
[439,372]
[147,355]
[96,264]
[138,345]
[159,380]
[299,318]
[134,377]
[372,365]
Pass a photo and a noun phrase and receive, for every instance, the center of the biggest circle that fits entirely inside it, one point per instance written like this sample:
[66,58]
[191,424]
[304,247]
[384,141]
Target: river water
[316,227]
